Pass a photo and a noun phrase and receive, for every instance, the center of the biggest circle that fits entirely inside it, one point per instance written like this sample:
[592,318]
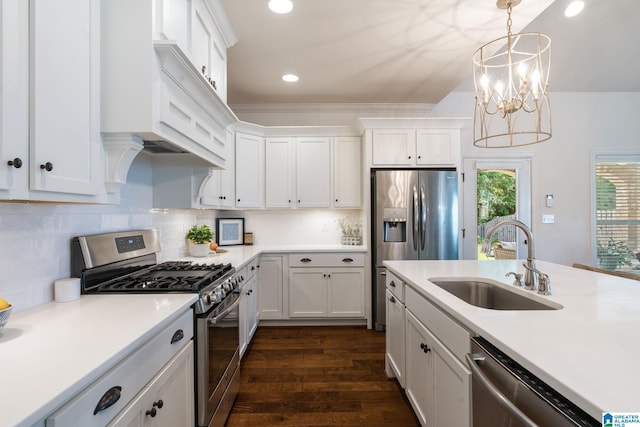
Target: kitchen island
[587,350]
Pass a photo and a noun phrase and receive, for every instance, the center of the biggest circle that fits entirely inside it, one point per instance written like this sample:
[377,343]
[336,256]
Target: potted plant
[199,238]
[612,254]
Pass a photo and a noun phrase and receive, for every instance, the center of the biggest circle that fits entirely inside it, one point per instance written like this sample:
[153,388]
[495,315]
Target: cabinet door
[271,284]
[438,147]
[395,339]
[252,308]
[249,171]
[65,143]
[279,176]
[168,400]
[419,380]
[347,188]
[14,97]
[313,172]
[393,147]
[307,292]
[437,384]
[345,292]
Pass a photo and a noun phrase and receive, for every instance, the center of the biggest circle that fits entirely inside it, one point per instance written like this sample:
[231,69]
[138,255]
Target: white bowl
[4,316]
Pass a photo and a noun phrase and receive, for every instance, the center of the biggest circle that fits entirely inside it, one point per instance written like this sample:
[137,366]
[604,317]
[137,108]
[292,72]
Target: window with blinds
[618,213]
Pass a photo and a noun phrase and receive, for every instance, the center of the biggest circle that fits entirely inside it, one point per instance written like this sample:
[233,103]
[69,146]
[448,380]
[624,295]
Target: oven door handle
[213,320]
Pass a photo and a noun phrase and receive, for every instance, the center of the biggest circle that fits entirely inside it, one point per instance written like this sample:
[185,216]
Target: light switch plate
[548,219]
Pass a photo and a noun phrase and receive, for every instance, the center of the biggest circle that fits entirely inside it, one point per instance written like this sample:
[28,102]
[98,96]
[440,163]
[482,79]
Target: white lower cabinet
[326,288]
[152,386]
[271,281]
[395,339]
[430,366]
[249,313]
[164,402]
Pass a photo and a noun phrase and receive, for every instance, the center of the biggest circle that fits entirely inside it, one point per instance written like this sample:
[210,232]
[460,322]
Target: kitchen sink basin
[491,295]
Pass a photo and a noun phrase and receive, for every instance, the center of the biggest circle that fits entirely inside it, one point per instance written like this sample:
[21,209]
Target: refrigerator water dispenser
[395,225]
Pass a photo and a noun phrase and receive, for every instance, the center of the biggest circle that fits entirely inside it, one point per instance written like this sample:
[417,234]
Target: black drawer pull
[347,259]
[305,260]
[177,336]
[108,399]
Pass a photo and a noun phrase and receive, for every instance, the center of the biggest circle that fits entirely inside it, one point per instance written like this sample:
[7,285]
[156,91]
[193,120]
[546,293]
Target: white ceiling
[416,51]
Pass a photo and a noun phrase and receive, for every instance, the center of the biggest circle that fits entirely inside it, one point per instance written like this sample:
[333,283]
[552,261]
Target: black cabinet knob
[151,412]
[47,166]
[16,163]
[425,347]
[159,404]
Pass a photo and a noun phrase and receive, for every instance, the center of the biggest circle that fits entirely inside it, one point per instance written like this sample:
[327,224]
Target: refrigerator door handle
[416,218]
[423,218]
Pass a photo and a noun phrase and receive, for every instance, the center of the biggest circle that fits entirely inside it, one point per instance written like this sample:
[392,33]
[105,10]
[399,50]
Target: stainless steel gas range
[126,262]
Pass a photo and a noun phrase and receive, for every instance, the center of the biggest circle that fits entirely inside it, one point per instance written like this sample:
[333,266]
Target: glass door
[495,190]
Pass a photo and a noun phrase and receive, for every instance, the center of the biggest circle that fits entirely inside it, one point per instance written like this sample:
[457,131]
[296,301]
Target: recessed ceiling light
[574,8]
[290,78]
[280,6]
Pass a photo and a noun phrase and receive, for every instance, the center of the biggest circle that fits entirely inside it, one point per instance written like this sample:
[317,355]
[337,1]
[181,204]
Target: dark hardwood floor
[318,376]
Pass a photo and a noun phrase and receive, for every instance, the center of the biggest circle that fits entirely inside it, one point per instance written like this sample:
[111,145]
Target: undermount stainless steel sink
[491,295]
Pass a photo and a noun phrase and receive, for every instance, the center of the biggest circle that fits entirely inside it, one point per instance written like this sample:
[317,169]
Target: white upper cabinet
[249,171]
[50,130]
[394,147]
[14,98]
[65,89]
[347,178]
[218,189]
[428,142]
[164,75]
[313,171]
[438,147]
[279,173]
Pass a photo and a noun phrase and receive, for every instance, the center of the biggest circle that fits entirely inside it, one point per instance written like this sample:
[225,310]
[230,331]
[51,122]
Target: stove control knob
[221,294]
[215,298]
[208,298]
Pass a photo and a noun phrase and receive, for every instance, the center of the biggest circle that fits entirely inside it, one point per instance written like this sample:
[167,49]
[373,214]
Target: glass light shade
[511,77]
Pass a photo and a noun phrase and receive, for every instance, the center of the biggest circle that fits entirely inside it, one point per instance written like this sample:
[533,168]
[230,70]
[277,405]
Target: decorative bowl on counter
[4,315]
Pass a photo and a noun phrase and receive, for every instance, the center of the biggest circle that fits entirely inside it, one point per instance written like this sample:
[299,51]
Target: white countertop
[50,353]
[588,350]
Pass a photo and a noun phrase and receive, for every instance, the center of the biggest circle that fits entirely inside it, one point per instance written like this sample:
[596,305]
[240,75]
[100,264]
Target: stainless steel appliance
[414,216]
[506,394]
[126,262]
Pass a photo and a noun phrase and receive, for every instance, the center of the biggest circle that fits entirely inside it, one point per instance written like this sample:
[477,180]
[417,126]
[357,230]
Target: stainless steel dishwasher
[504,394]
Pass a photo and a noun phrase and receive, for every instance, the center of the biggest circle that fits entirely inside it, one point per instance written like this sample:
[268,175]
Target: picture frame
[230,231]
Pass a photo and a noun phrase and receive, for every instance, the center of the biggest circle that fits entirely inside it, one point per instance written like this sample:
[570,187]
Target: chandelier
[511,77]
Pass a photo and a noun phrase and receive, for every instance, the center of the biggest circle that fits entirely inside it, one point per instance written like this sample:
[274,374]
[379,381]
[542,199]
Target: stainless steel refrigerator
[414,216]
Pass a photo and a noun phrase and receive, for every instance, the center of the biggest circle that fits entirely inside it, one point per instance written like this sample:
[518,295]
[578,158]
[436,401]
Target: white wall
[582,122]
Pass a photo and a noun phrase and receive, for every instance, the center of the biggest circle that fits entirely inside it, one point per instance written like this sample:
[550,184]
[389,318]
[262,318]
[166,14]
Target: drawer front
[130,375]
[395,285]
[453,336]
[321,259]
[252,268]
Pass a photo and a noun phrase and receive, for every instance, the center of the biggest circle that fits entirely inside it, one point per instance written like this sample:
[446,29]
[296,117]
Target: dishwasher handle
[495,393]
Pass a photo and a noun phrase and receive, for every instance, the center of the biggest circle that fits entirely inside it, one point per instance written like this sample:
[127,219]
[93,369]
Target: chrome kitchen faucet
[532,276]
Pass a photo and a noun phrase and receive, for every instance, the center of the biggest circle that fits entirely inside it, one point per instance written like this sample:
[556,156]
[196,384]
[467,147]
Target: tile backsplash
[35,237]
